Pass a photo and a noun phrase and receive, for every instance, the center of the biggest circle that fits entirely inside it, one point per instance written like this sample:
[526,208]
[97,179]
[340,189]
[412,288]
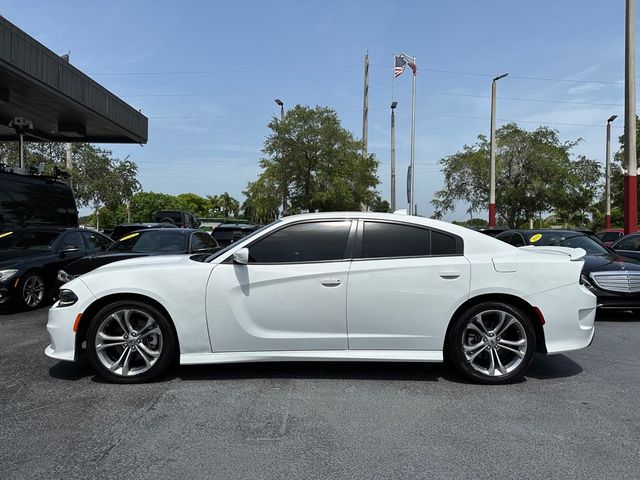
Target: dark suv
[177,217]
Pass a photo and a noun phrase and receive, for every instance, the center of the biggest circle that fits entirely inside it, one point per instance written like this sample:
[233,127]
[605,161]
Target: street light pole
[492,164]
[393,155]
[630,179]
[284,169]
[607,173]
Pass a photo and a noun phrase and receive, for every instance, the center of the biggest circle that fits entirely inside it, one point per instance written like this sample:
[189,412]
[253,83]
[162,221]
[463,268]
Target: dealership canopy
[44,97]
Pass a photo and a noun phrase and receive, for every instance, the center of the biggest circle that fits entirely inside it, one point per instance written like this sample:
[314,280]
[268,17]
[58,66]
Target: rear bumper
[569,314]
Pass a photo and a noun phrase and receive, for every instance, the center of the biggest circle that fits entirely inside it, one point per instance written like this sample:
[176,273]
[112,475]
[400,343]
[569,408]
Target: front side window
[73,239]
[394,240]
[630,243]
[303,242]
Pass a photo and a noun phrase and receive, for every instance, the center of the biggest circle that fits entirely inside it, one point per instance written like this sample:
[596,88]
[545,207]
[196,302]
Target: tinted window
[305,242]
[75,239]
[630,243]
[609,236]
[95,241]
[568,239]
[442,244]
[28,240]
[201,241]
[153,241]
[393,240]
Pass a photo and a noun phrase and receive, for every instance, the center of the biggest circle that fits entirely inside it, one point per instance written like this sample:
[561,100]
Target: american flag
[401,62]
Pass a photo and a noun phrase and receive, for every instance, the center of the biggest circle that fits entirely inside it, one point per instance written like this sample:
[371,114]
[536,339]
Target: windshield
[28,240]
[567,239]
[232,245]
[152,241]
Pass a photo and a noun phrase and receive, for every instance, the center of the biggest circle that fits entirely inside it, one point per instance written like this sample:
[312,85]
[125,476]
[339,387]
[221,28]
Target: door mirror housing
[69,248]
[241,256]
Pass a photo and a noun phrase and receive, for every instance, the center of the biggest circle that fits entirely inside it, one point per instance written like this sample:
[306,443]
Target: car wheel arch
[100,303]
[513,300]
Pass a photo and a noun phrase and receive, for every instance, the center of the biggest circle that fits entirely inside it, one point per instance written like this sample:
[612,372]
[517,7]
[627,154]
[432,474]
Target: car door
[405,282]
[290,296]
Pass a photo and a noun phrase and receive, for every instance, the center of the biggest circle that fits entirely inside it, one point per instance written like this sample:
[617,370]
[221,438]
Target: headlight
[66,298]
[7,274]
[64,277]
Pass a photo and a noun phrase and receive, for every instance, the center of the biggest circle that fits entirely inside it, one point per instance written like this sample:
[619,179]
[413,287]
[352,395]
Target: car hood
[91,262]
[146,262]
[13,258]
[609,262]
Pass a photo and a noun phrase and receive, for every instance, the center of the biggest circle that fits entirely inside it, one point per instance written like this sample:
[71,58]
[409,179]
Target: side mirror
[69,248]
[241,256]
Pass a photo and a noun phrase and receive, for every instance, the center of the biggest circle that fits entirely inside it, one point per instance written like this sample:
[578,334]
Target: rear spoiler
[574,254]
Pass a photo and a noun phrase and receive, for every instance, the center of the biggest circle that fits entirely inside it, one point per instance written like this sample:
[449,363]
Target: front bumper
[569,314]
[60,323]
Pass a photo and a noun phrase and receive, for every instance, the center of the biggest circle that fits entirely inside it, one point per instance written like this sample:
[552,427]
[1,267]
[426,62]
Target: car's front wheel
[130,342]
[492,342]
[32,291]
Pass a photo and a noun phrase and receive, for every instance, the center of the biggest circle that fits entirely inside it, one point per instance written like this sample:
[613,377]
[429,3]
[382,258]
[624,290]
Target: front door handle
[450,275]
[331,282]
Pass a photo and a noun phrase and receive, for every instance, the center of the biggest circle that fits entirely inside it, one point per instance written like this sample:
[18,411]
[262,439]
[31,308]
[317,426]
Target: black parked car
[227,233]
[615,280]
[121,230]
[30,259]
[142,243]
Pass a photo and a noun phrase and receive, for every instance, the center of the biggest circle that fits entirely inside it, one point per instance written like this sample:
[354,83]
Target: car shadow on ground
[617,316]
[542,368]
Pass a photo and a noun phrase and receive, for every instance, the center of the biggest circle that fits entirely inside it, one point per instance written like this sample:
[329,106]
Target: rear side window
[304,242]
[201,241]
[442,244]
[393,240]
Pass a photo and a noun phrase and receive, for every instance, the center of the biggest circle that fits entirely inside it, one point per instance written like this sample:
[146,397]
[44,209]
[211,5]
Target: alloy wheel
[128,342]
[33,291]
[494,343]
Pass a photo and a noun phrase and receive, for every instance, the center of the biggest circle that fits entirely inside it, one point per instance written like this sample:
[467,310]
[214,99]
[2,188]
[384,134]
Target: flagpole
[393,136]
[365,108]
[413,144]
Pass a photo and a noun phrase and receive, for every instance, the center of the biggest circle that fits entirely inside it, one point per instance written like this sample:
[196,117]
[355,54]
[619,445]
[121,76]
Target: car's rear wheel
[492,342]
[32,291]
[130,342]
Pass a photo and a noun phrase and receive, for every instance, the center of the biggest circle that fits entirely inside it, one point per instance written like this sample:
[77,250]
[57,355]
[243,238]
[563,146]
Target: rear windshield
[567,239]
[152,241]
[609,236]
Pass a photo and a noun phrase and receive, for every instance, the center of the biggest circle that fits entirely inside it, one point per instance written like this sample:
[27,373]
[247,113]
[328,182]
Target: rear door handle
[331,282]
[449,275]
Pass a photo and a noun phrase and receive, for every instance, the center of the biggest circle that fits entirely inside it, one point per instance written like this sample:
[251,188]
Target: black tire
[167,220]
[32,291]
[140,313]
[474,347]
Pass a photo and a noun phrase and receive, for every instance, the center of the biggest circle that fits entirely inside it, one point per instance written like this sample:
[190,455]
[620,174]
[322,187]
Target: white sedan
[331,287]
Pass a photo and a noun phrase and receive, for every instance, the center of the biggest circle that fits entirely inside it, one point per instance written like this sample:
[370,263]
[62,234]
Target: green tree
[534,174]
[262,202]
[144,204]
[193,203]
[317,164]
[380,205]
[617,184]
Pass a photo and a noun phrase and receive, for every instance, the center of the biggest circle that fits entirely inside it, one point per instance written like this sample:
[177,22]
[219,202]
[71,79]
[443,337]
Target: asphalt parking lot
[575,416]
